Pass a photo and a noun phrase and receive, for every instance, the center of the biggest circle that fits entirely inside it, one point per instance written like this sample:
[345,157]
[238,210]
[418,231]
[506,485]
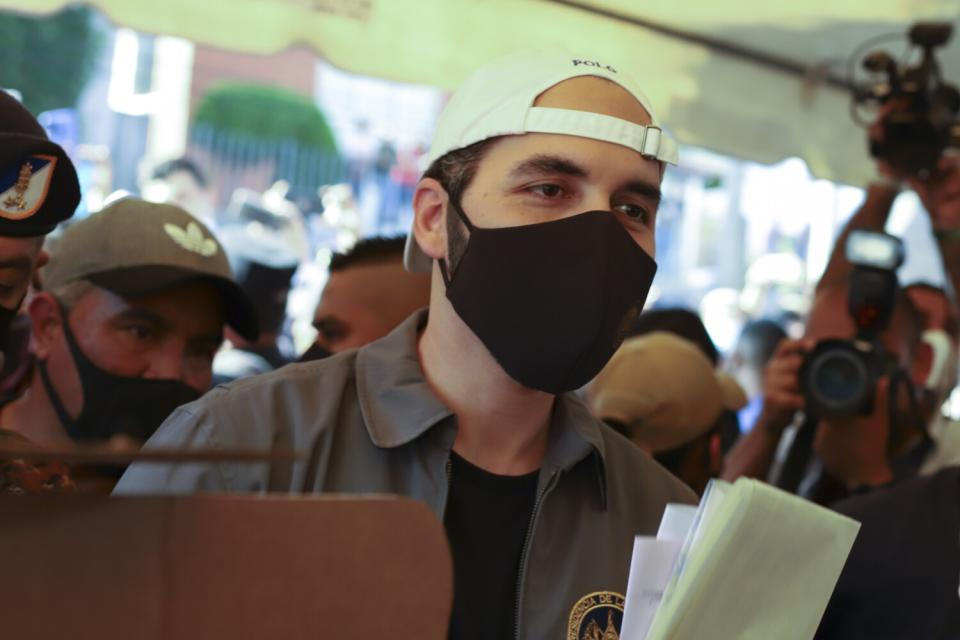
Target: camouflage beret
[38,183]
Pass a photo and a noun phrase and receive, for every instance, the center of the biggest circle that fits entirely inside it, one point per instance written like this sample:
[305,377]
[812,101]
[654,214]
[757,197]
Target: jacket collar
[398,405]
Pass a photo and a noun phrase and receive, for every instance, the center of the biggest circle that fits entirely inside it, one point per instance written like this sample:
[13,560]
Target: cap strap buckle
[650,141]
[650,145]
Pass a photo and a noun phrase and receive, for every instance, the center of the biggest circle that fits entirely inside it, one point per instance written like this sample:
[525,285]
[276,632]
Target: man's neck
[32,416]
[503,426]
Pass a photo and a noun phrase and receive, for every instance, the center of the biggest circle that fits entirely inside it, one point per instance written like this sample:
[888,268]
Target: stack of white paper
[755,563]
[652,567]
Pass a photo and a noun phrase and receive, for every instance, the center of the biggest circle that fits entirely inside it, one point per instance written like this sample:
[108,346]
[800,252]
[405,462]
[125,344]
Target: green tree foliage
[48,59]
[266,113]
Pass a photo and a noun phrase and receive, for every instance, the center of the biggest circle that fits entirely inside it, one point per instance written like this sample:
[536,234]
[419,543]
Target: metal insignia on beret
[24,186]
[596,616]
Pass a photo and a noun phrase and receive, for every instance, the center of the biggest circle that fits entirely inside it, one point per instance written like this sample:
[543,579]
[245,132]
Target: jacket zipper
[523,551]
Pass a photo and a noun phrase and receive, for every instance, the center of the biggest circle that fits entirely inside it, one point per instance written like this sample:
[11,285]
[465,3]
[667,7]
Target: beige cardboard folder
[160,568]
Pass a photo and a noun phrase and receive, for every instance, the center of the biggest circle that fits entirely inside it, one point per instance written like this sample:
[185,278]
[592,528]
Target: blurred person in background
[181,182]
[127,327]
[38,190]
[861,456]
[939,193]
[664,394]
[754,347]
[688,325]
[900,580]
[275,213]
[825,460]
[263,265]
[678,321]
[367,295]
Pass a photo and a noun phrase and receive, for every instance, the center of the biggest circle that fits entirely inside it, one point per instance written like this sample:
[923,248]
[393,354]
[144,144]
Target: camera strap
[908,463]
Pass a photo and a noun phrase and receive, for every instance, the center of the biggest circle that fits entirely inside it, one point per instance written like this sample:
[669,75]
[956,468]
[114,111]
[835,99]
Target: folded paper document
[756,562]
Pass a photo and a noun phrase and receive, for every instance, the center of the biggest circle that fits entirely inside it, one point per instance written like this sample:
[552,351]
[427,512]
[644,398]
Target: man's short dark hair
[680,322]
[369,251]
[455,171]
[166,169]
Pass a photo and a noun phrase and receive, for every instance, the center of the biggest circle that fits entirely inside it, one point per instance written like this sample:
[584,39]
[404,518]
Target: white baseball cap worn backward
[497,100]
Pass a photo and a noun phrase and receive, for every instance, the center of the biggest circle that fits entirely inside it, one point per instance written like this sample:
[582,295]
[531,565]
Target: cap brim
[732,395]
[239,312]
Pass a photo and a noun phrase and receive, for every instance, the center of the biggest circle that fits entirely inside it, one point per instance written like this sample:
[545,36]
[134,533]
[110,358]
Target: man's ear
[45,317]
[429,220]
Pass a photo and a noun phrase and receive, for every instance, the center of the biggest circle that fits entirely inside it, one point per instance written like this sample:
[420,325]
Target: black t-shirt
[487,519]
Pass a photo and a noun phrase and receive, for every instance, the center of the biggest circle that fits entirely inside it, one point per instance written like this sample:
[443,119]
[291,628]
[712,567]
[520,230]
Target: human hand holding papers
[754,562]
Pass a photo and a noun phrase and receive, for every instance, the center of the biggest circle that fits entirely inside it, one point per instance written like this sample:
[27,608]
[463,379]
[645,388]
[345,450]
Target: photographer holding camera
[873,434]
[901,578]
[885,435]
[863,389]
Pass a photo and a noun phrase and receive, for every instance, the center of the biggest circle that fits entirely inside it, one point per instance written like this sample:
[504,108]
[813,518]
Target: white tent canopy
[742,77]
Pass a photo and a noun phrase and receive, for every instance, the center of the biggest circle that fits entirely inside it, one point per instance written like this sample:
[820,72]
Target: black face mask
[551,301]
[115,404]
[7,316]
[315,352]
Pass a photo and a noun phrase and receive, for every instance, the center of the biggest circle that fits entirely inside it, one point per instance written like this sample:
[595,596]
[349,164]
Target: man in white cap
[536,219]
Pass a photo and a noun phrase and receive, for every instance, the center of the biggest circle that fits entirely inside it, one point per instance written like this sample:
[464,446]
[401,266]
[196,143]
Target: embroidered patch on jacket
[192,239]
[24,187]
[596,616]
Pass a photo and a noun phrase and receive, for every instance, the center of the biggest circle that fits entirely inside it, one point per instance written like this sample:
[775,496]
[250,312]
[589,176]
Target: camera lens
[838,380]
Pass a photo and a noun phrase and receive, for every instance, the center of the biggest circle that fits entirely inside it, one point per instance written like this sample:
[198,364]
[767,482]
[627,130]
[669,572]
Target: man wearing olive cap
[125,331]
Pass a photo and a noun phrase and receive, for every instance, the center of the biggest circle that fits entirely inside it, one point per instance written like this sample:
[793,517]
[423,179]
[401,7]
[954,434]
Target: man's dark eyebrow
[144,315]
[544,164]
[548,164]
[644,189]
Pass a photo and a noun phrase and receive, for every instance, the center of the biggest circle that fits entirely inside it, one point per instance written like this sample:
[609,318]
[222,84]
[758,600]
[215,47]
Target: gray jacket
[372,425]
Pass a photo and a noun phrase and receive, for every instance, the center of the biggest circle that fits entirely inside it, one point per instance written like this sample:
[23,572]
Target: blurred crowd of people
[145,306]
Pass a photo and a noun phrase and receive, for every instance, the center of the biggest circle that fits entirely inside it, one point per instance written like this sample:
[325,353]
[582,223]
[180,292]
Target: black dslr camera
[838,378]
[924,121]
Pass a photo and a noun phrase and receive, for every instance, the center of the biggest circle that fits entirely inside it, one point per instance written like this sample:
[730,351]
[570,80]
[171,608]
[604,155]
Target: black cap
[38,183]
